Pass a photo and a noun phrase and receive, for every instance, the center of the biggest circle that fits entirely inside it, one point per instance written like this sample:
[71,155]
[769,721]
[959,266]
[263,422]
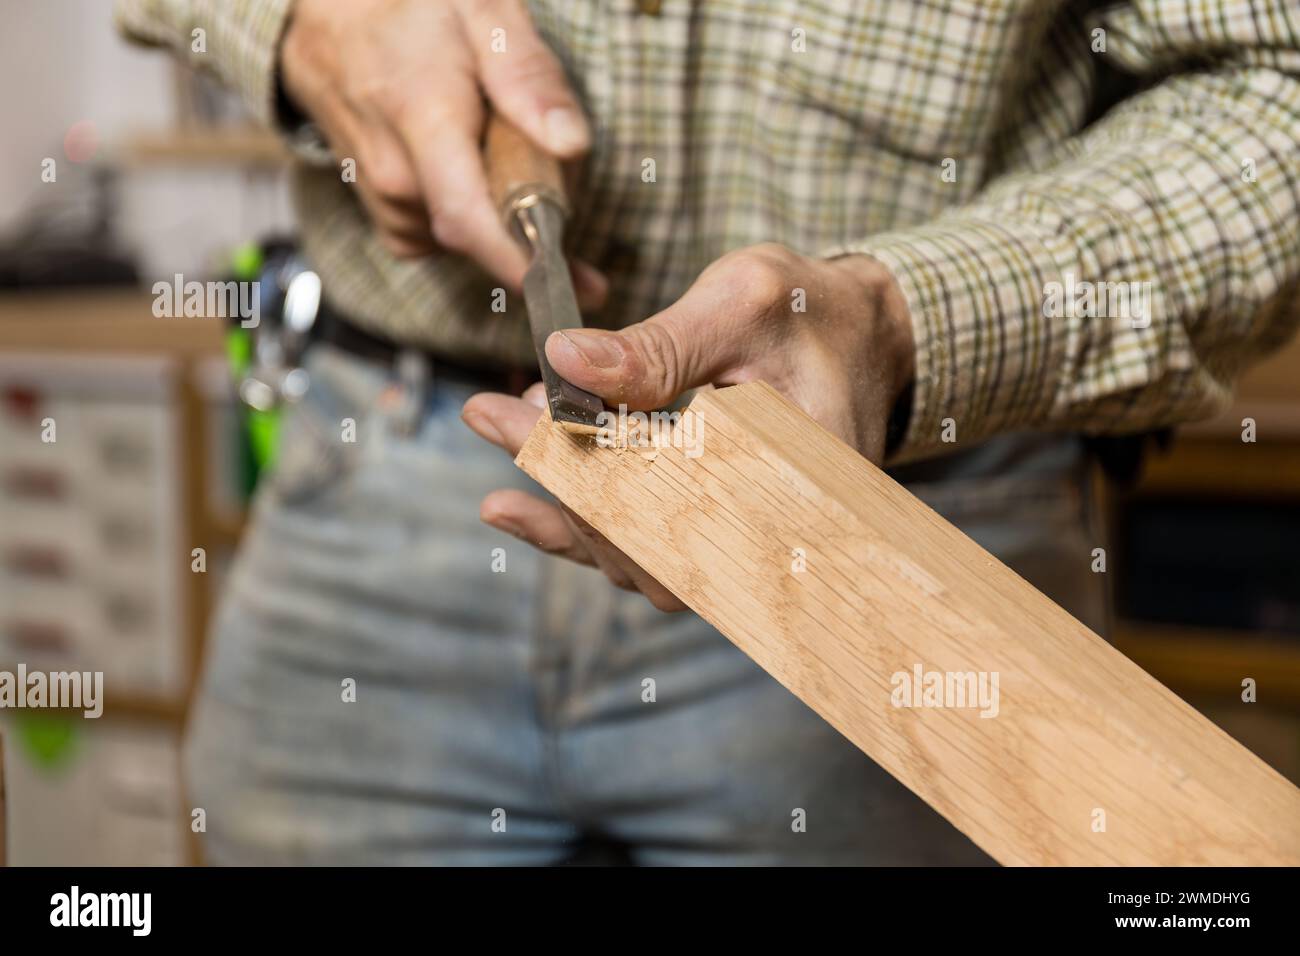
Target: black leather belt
[337,331]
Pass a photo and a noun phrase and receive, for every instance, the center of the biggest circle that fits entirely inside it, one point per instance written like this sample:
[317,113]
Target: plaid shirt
[951,139]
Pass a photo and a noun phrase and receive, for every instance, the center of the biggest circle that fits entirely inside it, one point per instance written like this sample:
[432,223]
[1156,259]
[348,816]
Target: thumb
[647,365]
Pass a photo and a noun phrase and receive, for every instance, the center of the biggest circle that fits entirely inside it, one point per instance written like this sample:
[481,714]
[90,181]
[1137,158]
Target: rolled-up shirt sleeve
[1124,284]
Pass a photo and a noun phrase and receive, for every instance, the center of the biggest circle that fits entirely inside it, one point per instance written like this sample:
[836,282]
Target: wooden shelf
[1223,468]
[1209,458]
[1212,663]
[133,706]
[240,146]
[119,320]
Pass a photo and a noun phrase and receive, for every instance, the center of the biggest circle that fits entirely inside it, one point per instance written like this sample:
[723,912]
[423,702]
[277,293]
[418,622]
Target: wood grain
[890,585]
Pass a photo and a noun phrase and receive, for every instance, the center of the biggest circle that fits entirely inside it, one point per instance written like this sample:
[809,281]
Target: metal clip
[277,377]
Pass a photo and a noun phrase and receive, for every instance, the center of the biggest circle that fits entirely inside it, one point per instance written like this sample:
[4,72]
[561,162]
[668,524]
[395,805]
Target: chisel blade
[552,306]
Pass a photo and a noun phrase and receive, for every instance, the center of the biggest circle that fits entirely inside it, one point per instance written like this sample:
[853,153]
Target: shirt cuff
[985,355]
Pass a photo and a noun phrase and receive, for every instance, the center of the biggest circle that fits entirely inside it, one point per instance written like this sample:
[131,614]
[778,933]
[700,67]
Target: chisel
[527,186]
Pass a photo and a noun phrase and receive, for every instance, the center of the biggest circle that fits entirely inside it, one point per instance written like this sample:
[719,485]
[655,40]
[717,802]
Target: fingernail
[566,132]
[597,349]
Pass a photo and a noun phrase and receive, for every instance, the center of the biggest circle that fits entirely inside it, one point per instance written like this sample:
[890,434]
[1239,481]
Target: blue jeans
[502,710]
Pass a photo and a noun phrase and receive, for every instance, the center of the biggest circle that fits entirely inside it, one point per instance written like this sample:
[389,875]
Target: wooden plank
[890,586]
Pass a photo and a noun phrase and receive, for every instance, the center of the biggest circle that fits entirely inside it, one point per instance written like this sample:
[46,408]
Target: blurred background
[156,172]
[113,538]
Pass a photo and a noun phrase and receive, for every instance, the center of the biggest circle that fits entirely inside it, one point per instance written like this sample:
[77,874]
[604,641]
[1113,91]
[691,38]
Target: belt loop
[415,376]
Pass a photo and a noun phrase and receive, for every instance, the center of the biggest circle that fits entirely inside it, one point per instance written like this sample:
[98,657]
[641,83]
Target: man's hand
[398,85]
[844,359]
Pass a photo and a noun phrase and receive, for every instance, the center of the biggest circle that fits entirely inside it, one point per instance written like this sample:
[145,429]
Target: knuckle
[773,251]
[451,228]
[370,95]
[761,274]
[389,176]
[423,115]
[660,357]
[534,67]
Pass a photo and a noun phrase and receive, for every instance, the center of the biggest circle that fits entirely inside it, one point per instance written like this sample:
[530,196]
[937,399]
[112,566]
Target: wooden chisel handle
[519,172]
